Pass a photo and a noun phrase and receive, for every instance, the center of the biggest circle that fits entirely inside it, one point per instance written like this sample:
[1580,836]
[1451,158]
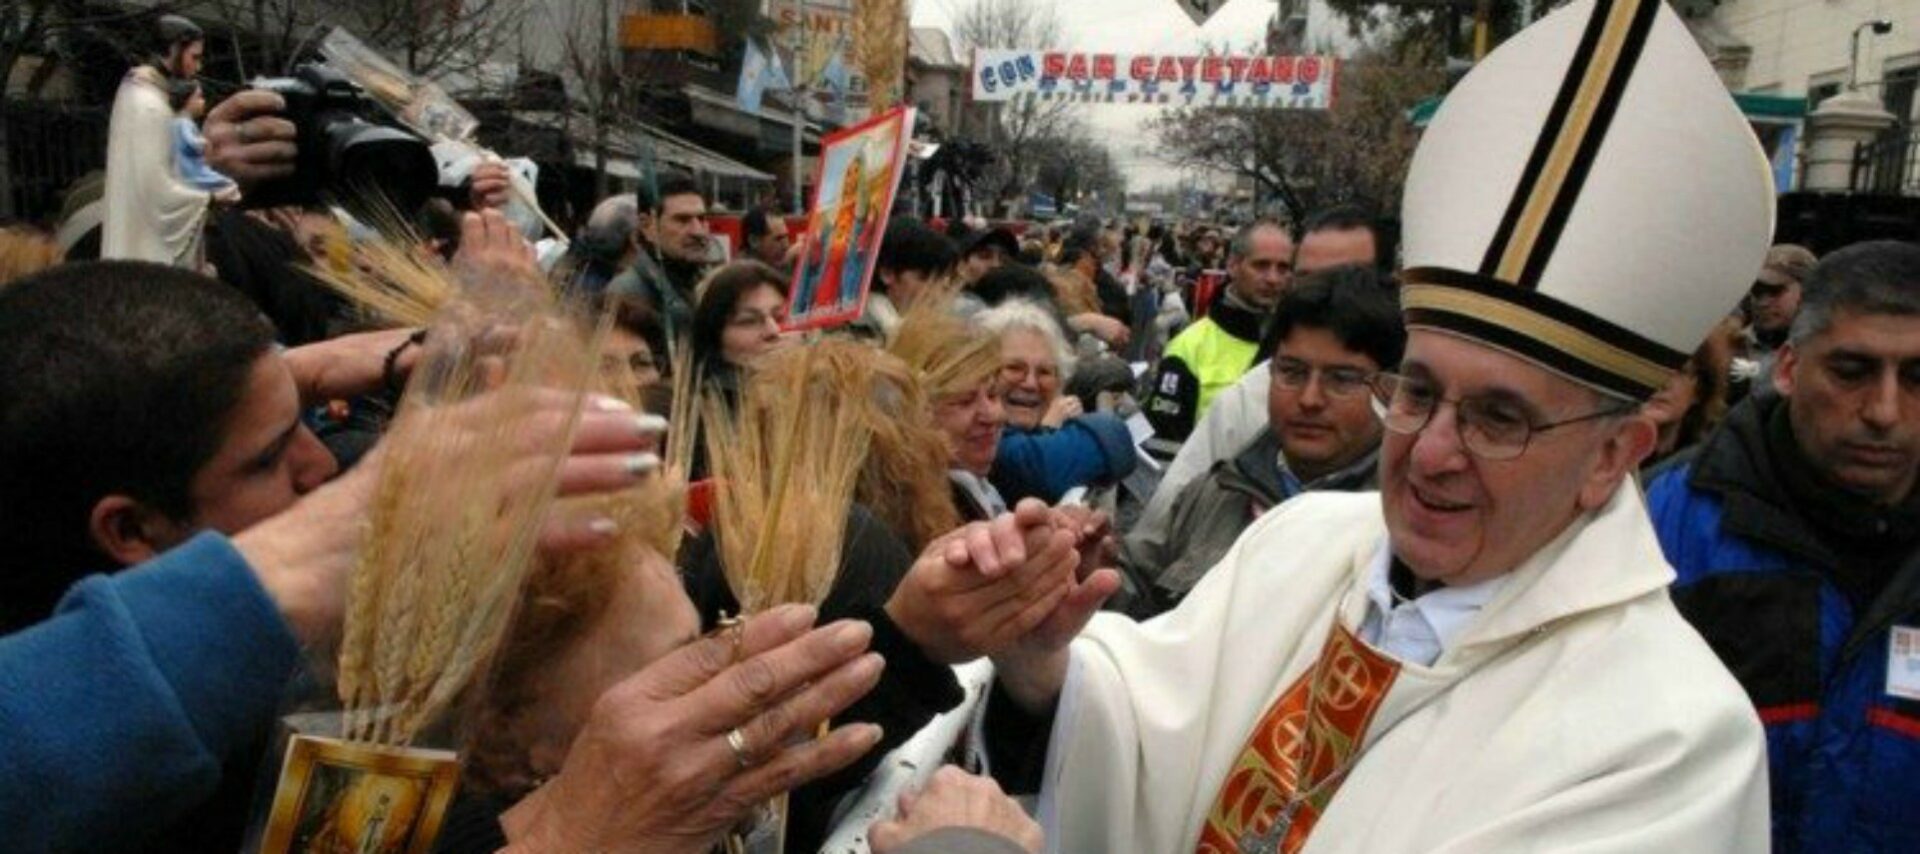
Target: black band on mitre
[1571,342]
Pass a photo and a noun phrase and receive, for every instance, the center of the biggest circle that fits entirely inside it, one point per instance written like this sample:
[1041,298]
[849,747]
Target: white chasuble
[1576,712]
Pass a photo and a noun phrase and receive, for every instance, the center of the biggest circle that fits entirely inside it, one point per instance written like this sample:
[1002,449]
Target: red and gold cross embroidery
[1318,722]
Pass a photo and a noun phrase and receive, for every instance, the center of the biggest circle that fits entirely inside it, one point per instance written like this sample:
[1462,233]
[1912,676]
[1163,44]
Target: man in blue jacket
[1795,533]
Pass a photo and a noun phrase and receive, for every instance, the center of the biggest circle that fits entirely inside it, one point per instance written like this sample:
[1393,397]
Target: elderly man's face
[1854,401]
[1265,272]
[1459,519]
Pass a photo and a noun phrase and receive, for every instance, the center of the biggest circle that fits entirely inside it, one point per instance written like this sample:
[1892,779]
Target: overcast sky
[1129,26]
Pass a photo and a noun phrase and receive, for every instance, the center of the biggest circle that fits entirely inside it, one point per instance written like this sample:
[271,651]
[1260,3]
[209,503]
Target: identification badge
[1903,662]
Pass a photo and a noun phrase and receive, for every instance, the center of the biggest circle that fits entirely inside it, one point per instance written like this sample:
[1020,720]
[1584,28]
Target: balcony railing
[1890,165]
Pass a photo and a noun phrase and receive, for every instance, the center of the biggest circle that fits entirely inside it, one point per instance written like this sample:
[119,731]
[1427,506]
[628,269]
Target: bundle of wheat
[880,37]
[390,282]
[786,462]
[454,518]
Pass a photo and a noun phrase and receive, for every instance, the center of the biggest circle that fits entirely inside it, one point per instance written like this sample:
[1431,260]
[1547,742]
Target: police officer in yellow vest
[1213,353]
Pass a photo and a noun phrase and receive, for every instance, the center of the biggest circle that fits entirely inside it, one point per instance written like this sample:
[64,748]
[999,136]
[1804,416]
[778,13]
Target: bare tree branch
[1355,152]
[1015,126]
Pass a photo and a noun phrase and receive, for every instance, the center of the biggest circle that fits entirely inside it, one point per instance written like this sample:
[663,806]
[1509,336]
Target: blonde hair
[1074,292]
[903,480]
[24,252]
[946,354]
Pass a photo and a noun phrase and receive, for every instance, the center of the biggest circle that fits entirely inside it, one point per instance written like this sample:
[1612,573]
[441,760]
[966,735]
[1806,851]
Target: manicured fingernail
[868,734]
[650,423]
[603,526]
[852,635]
[797,617]
[604,403]
[641,465]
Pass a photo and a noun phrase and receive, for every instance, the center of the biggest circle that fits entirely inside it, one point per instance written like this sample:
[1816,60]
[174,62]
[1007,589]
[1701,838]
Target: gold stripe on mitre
[1552,180]
[1573,342]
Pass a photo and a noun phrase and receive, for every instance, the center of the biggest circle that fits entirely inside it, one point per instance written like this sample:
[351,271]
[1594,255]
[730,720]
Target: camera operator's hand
[492,186]
[248,141]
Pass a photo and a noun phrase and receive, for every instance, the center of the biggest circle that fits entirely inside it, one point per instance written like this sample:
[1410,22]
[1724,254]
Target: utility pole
[801,96]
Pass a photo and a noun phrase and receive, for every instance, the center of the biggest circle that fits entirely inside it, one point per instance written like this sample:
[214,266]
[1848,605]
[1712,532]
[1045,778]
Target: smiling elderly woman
[1049,446]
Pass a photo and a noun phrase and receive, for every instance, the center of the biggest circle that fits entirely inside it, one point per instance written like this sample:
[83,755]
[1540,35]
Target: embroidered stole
[1300,747]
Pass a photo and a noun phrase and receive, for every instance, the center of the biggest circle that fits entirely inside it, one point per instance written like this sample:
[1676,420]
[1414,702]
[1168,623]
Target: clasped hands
[1025,582]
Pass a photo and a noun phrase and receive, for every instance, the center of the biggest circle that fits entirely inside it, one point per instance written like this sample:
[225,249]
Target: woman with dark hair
[1695,399]
[637,340]
[736,319]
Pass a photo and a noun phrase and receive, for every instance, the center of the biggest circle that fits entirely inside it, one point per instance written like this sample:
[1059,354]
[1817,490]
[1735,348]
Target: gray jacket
[1211,513]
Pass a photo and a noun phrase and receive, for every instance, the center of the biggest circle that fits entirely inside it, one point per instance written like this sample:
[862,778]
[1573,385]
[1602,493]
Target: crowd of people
[1564,514]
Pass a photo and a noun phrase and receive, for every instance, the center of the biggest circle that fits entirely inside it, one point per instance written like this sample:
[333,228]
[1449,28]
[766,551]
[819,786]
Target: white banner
[1272,82]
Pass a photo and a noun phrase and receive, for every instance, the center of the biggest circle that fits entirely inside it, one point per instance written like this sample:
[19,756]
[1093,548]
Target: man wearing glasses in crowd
[1336,331]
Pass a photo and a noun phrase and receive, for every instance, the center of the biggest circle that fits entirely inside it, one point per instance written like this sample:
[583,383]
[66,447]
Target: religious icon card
[337,796]
[854,188]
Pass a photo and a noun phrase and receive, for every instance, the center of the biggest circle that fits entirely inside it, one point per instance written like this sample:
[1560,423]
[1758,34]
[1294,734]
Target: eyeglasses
[1335,381]
[1491,428]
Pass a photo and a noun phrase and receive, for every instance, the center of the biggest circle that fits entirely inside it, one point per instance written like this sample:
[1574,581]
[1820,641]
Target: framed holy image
[859,173]
[343,796]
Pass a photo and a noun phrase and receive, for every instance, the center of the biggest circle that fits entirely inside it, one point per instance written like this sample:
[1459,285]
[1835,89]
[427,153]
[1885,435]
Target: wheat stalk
[453,530]
[880,38]
[390,282]
[787,462]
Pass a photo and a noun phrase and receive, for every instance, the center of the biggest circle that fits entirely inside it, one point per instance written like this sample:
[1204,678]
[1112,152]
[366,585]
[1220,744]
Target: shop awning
[625,147]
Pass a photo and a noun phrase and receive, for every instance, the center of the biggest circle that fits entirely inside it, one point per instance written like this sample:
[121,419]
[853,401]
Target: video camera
[351,149]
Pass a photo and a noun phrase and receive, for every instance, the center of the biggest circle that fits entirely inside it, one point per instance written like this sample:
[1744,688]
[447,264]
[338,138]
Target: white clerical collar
[1420,630]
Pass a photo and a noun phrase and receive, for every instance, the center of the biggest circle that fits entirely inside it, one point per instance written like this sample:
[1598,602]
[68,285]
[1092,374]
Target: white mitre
[1589,198]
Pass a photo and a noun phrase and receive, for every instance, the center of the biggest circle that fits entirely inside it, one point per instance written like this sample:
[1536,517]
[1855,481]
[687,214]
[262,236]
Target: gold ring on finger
[737,742]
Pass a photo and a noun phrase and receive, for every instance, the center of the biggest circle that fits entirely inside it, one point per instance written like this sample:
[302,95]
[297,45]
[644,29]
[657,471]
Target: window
[1823,86]
[1897,90]
[1820,92]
